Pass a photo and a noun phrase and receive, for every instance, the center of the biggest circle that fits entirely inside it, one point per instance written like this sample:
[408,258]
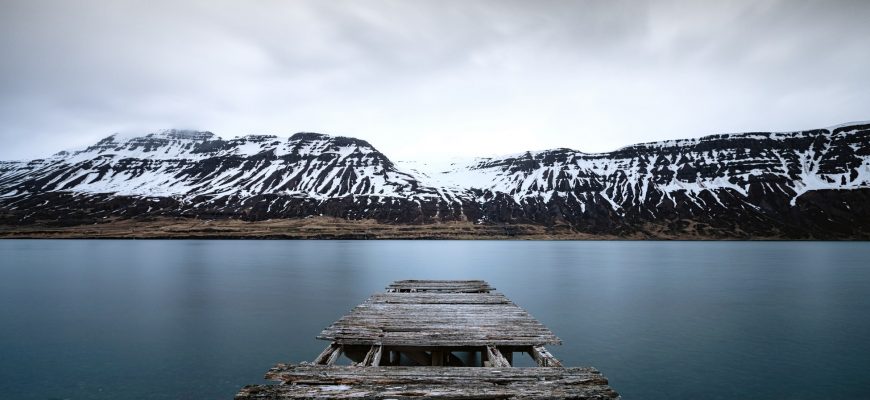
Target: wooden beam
[326,353]
[376,359]
[437,358]
[454,361]
[368,357]
[372,358]
[355,353]
[419,357]
[543,357]
[334,356]
[496,359]
[442,348]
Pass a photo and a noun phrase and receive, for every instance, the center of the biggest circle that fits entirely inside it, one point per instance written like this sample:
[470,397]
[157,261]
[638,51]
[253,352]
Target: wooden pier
[424,339]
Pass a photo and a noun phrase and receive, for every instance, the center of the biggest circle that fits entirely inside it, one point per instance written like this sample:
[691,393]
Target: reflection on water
[199,319]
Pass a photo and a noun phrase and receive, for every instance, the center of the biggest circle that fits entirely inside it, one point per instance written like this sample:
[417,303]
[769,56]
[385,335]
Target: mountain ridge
[802,184]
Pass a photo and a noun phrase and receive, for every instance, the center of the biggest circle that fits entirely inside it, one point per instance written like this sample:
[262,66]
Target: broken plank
[495,358]
[543,357]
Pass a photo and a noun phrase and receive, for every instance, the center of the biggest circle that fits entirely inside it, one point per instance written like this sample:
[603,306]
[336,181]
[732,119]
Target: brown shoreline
[329,228]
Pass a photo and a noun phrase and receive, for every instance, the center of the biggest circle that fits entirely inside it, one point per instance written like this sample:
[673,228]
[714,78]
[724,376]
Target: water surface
[103,319]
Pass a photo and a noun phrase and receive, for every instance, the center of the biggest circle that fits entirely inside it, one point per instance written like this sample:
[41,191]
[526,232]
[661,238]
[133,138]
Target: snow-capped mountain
[186,164]
[797,184]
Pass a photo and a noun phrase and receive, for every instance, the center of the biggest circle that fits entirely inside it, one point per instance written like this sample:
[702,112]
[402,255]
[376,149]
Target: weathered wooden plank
[449,282]
[439,319]
[296,373]
[440,298]
[480,391]
[307,381]
[438,285]
[414,286]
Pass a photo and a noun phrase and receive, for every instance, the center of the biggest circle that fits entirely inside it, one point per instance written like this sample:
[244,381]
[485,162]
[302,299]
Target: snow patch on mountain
[186,165]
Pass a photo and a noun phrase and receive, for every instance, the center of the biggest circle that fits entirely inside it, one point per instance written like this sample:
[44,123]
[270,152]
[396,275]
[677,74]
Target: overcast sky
[429,79]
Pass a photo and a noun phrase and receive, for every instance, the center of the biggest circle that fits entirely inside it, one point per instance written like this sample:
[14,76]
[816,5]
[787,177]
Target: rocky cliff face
[809,184]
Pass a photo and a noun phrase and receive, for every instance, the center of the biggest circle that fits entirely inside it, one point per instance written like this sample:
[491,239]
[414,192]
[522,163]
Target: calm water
[199,319]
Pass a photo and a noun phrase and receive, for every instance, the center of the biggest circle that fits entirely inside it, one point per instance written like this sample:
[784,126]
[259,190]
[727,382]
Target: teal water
[84,319]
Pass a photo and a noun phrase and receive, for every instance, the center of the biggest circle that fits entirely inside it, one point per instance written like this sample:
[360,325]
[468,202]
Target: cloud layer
[429,79]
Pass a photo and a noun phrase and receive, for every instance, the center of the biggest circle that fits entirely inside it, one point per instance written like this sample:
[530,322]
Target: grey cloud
[420,78]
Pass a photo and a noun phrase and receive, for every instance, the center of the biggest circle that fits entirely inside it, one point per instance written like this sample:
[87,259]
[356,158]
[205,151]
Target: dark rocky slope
[809,184]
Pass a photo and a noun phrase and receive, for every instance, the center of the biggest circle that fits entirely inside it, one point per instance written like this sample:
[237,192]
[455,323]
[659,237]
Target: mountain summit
[806,184]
